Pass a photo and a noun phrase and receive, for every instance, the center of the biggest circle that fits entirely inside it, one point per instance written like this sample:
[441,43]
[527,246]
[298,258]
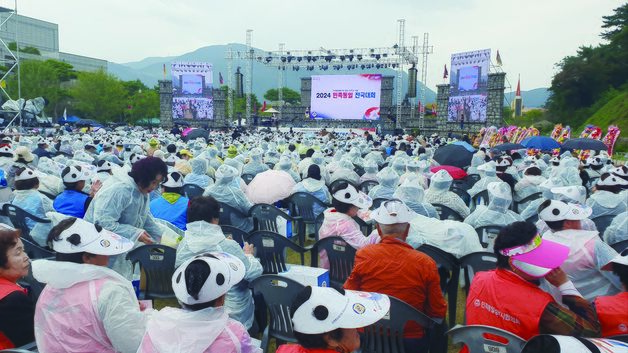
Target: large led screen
[468,93]
[345,97]
[192,91]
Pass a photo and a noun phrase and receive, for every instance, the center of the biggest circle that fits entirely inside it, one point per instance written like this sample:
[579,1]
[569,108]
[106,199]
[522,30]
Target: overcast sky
[531,35]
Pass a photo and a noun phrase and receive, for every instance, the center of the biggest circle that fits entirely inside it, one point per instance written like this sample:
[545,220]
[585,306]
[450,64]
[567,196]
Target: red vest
[504,300]
[6,288]
[613,314]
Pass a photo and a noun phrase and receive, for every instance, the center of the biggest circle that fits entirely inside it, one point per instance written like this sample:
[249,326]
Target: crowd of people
[96,196]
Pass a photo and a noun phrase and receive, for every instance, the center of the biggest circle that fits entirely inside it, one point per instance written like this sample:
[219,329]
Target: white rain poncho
[255,165]
[438,193]
[412,195]
[272,156]
[370,171]
[571,194]
[202,237]
[345,171]
[110,157]
[355,157]
[49,166]
[587,255]
[456,238]
[545,187]
[388,180]
[497,212]
[375,156]
[607,203]
[227,190]
[212,157]
[285,164]
[488,173]
[36,204]
[527,186]
[476,161]
[199,175]
[399,165]
[115,304]
[570,176]
[618,229]
[120,207]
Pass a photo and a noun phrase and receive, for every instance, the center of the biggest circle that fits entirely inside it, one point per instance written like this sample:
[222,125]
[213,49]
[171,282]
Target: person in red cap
[509,297]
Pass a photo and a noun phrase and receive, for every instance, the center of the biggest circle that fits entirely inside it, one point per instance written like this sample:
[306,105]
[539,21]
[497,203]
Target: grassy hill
[614,112]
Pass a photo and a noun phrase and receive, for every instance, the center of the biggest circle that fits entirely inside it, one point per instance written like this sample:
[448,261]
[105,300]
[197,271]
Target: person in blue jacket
[73,201]
[171,206]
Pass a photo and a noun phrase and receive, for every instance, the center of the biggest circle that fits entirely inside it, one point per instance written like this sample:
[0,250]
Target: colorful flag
[498,59]
[220,78]
[445,73]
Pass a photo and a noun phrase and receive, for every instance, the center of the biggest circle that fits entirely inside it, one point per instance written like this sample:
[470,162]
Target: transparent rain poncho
[255,165]
[355,157]
[399,165]
[212,157]
[285,164]
[388,180]
[412,195]
[497,212]
[604,203]
[488,175]
[545,187]
[438,193]
[345,171]
[370,171]
[476,161]
[375,156]
[618,229]
[226,190]
[198,176]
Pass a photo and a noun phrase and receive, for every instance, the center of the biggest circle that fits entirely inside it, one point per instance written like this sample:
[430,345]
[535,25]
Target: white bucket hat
[26,174]
[84,236]
[560,211]
[393,212]
[74,174]
[354,197]
[326,310]
[226,271]
[173,180]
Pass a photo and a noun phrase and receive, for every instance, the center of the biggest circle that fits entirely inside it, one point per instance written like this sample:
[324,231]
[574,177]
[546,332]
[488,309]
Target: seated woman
[370,171]
[618,229]
[438,193]
[608,199]
[255,164]
[314,184]
[285,164]
[73,201]
[227,190]
[32,201]
[346,201]
[85,306]
[612,311]
[103,170]
[388,180]
[323,323]
[529,184]
[411,193]
[203,234]
[488,174]
[16,307]
[171,206]
[497,212]
[199,175]
[202,325]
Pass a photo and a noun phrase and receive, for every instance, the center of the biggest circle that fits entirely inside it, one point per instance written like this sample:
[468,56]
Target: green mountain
[150,70]
[534,98]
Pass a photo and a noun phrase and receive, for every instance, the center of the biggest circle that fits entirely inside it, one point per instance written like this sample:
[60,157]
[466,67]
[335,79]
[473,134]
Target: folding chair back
[236,234]
[341,257]
[474,263]
[192,190]
[449,271]
[487,235]
[157,263]
[271,250]
[480,339]
[247,178]
[446,213]
[18,218]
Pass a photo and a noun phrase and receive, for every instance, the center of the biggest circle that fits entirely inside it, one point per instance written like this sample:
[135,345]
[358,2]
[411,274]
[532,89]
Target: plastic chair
[480,339]
[620,246]
[157,262]
[471,179]
[271,250]
[461,184]
[533,219]
[446,213]
[47,194]
[226,212]
[536,195]
[359,171]
[247,178]
[367,185]
[302,205]
[277,294]
[386,335]
[34,251]
[464,195]
[487,235]
[474,263]
[622,338]
[479,199]
[366,228]
[18,218]
[270,165]
[192,190]
[449,271]
[236,234]
[602,222]
[341,257]
[377,202]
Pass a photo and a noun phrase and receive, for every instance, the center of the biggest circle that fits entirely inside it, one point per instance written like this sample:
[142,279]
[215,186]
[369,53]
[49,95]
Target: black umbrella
[196,133]
[455,155]
[584,144]
[509,146]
